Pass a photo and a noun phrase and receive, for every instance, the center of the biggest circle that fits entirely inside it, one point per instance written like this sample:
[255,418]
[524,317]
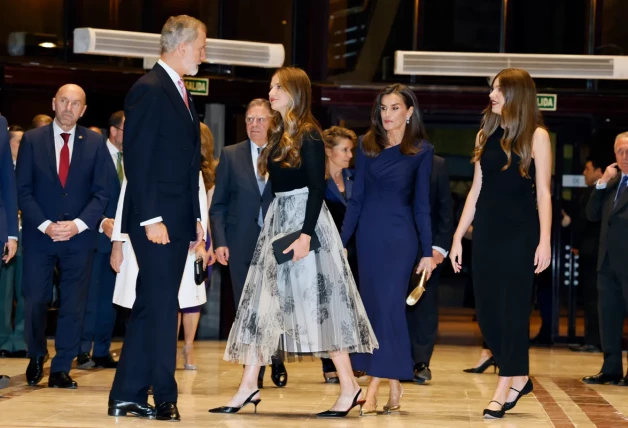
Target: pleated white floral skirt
[308,307]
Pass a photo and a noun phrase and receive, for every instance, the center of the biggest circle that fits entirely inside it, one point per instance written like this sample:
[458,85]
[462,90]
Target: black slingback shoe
[494,414]
[527,388]
[227,409]
[340,414]
[482,367]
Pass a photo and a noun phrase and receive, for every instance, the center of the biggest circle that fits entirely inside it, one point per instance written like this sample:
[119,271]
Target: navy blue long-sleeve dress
[389,212]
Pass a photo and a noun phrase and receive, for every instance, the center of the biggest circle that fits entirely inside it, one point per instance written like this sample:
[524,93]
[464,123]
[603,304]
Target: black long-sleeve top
[310,174]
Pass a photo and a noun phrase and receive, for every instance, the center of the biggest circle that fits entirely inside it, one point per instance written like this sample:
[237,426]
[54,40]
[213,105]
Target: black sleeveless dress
[505,238]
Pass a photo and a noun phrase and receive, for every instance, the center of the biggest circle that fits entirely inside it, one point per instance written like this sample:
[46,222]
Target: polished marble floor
[452,399]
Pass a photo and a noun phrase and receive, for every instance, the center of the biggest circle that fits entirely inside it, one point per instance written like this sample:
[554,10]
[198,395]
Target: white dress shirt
[57,131]
[175,79]
[113,151]
[255,157]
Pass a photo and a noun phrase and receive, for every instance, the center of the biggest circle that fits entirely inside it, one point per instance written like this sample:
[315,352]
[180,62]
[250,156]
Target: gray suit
[612,270]
[235,209]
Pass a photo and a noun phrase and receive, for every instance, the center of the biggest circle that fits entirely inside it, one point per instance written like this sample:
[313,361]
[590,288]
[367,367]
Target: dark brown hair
[520,117]
[376,139]
[208,161]
[288,132]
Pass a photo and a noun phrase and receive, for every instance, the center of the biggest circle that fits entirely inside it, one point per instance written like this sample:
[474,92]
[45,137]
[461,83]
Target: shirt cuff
[440,250]
[13,237]
[42,227]
[600,186]
[80,224]
[100,229]
[152,221]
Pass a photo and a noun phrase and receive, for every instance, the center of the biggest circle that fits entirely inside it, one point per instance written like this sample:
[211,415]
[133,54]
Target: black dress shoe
[585,348]
[84,361]
[602,379]
[123,408]
[167,412]
[527,388]
[61,380]
[35,370]
[482,367]
[105,362]
[230,410]
[19,354]
[422,373]
[4,353]
[4,381]
[623,382]
[279,375]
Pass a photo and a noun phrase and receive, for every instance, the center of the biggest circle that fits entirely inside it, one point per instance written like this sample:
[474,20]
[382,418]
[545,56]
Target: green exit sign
[547,101]
[197,85]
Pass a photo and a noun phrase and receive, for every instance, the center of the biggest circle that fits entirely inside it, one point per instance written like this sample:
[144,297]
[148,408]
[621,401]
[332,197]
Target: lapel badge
[80,137]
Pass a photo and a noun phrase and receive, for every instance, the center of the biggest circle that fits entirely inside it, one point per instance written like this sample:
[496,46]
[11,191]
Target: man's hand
[61,231]
[116,256]
[437,256]
[10,248]
[609,173]
[222,254]
[107,227]
[157,233]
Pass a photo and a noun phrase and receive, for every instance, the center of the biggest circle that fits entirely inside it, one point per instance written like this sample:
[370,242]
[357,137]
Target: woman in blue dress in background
[389,211]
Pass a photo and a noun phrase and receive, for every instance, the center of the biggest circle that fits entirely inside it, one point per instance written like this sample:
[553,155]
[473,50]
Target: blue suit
[42,197]
[100,313]
[8,195]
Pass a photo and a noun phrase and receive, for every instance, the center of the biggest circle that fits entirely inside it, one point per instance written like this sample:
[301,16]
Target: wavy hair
[376,139]
[332,137]
[288,132]
[208,161]
[520,117]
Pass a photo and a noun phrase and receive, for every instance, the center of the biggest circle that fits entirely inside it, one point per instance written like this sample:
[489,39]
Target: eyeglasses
[121,129]
[251,119]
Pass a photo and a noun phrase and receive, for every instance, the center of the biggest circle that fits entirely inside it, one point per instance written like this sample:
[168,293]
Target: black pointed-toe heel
[227,409]
[482,367]
[340,414]
[527,388]
[494,414]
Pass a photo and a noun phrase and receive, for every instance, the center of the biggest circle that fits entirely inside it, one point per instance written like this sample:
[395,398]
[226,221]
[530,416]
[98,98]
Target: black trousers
[588,282]
[613,300]
[74,270]
[422,319]
[149,352]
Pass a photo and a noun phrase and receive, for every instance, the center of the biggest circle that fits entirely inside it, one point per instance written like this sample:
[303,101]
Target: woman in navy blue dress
[389,211]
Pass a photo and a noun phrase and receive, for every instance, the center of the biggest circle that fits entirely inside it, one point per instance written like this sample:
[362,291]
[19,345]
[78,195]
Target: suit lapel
[331,185]
[50,153]
[247,159]
[175,96]
[611,188]
[348,176]
[623,199]
[77,153]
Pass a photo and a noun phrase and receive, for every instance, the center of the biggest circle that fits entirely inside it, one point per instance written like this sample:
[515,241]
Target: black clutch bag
[284,242]
[200,274]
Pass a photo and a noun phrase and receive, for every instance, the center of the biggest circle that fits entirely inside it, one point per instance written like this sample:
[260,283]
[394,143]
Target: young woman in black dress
[511,209]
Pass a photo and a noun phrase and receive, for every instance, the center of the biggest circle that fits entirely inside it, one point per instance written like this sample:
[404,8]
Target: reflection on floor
[453,399]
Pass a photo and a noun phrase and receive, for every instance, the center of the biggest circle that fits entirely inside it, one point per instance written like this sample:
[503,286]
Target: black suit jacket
[8,193]
[614,225]
[103,243]
[161,156]
[41,196]
[586,234]
[236,202]
[441,205]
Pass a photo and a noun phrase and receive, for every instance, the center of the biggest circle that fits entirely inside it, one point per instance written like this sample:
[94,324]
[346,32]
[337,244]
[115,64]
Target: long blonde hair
[208,161]
[288,132]
[520,117]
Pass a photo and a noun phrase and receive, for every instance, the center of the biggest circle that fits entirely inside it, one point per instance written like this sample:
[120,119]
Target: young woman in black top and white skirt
[309,305]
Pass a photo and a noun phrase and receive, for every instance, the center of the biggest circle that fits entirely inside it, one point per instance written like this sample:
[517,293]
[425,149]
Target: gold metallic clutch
[416,294]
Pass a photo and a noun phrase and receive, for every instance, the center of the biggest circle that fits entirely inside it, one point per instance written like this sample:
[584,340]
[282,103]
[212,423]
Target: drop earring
[408,120]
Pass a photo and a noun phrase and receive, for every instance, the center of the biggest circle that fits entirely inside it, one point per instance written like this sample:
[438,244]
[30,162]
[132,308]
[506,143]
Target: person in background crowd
[60,216]
[190,316]
[586,241]
[511,237]
[12,343]
[96,129]
[423,317]
[100,314]
[242,194]
[8,214]
[40,120]
[609,206]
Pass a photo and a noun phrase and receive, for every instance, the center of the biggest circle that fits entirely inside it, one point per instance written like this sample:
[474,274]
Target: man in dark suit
[241,199]
[609,204]
[62,192]
[100,314]
[8,207]
[161,214]
[586,242]
[423,317]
